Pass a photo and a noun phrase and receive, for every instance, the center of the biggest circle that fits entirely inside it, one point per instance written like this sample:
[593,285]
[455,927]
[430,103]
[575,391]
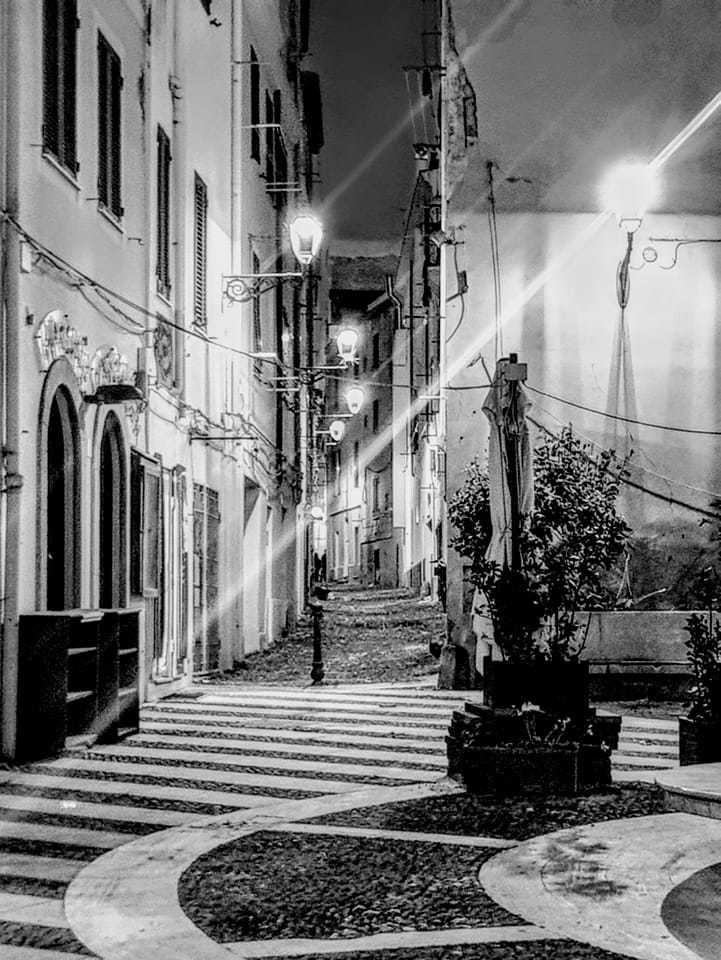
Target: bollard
[316,610]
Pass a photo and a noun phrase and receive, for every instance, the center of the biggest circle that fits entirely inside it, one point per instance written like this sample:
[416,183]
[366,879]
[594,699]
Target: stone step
[44,781]
[331,702]
[647,763]
[191,772]
[289,767]
[39,868]
[317,711]
[10,952]
[307,750]
[21,908]
[301,726]
[75,836]
[634,746]
[95,811]
[303,736]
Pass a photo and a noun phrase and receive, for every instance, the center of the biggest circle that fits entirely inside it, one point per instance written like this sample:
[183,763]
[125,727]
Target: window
[254,105]
[376,350]
[376,494]
[280,196]
[59,58]
[110,83]
[356,469]
[356,545]
[337,472]
[162,269]
[375,416]
[200,253]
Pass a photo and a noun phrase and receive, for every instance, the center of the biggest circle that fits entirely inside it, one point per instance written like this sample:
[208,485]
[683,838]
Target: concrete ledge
[693,789]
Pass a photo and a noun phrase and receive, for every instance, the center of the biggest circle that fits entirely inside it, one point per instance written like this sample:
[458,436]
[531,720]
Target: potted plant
[569,543]
[700,731]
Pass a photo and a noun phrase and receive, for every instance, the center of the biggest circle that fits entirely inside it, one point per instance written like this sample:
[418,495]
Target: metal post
[317,672]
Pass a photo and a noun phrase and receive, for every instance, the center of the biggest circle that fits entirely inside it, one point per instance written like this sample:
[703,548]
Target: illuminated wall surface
[565,89]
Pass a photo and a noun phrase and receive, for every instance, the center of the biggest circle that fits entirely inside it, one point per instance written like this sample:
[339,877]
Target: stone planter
[557,688]
[698,741]
[513,770]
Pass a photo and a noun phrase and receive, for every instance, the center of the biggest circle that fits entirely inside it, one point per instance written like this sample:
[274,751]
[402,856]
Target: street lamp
[347,342]
[354,399]
[627,191]
[306,234]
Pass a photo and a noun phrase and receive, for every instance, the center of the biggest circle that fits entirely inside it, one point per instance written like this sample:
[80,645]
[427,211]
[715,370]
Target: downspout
[9,390]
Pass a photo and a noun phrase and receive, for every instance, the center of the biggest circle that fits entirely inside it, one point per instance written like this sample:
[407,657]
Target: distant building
[362,544]
[150,464]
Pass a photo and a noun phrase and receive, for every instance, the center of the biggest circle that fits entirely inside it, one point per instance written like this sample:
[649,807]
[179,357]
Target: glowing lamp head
[317,513]
[336,430]
[306,234]
[347,341]
[354,399]
[628,190]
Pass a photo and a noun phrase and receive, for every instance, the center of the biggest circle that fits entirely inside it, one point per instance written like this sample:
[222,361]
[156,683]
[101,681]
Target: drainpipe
[9,389]
[145,96]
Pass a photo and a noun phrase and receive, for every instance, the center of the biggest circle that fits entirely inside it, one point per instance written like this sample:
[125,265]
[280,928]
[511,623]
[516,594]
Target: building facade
[628,355]
[150,458]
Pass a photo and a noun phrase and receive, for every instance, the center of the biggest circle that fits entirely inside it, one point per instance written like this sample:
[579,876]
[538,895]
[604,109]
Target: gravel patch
[543,950]
[272,885]
[44,938]
[513,819]
[48,848]
[109,775]
[33,886]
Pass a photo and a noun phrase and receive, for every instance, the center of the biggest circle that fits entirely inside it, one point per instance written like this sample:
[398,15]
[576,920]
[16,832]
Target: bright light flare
[306,234]
[354,399]
[347,342]
[337,430]
[629,189]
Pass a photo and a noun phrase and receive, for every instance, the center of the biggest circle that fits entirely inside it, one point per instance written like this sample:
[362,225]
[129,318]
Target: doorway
[111,567]
[63,504]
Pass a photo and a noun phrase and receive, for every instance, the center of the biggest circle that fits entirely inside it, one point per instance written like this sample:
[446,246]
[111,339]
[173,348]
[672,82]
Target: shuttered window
[254,105]
[200,253]
[59,78]
[280,195]
[110,83]
[257,345]
[162,269]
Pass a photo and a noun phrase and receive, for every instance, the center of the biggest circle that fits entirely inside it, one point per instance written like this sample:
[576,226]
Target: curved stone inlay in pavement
[692,912]
[124,905]
[605,884]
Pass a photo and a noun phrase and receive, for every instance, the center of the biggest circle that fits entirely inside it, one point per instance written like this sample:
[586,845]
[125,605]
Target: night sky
[367,165]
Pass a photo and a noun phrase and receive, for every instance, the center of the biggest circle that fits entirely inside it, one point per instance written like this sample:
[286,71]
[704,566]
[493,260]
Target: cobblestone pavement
[218,763]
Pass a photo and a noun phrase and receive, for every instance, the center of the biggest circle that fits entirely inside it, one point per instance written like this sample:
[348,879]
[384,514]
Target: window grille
[254,105]
[110,83]
[162,269]
[200,253]
[60,23]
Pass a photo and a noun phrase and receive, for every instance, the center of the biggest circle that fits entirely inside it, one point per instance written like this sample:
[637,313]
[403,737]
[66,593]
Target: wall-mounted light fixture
[354,399]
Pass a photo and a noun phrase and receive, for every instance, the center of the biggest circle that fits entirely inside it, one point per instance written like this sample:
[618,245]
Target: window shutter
[254,105]
[200,253]
[69,24]
[280,160]
[116,85]
[103,100]
[51,93]
[163,213]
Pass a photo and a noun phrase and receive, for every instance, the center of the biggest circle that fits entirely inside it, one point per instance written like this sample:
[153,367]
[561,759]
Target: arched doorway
[112,499]
[63,504]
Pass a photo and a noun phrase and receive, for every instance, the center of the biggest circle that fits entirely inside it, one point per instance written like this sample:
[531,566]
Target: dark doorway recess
[112,516]
[63,504]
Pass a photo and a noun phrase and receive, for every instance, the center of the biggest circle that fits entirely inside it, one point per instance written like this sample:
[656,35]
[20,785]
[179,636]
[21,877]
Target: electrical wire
[614,416]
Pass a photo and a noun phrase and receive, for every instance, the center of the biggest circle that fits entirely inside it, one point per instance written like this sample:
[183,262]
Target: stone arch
[112,514]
